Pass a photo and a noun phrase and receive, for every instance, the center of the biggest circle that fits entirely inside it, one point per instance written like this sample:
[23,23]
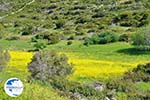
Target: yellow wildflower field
[83,68]
[97,69]
[18,61]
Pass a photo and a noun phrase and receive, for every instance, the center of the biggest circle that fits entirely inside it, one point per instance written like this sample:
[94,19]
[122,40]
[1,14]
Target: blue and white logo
[13,87]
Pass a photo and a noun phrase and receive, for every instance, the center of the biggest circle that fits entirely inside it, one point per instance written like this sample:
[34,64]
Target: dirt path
[19,10]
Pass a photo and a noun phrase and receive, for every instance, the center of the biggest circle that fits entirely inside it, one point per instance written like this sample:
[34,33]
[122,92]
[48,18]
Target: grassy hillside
[76,18]
[84,31]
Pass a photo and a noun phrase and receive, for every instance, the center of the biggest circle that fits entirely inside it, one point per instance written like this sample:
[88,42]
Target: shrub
[125,37]
[72,37]
[128,83]
[77,90]
[4,58]
[59,24]
[13,38]
[79,33]
[107,37]
[82,20]
[27,30]
[48,65]
[141,39]
[120,85]
[39,46]
[102,38]
[98,15]
[139,74]
[69,42]
[33,39]
[53,6]
[51,37]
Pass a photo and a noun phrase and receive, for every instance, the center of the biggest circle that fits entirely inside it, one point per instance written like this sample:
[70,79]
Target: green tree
[141,39]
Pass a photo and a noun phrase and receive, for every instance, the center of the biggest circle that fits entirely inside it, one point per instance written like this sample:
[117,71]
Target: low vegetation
[46,66]
[141,39]
[102,38]
[4,58]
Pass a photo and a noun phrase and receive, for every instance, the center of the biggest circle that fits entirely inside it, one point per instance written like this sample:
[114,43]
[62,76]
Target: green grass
[16,44]
[144,86]
[119,51]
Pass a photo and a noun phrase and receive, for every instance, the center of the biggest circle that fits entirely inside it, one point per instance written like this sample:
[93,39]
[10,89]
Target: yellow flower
[19,60]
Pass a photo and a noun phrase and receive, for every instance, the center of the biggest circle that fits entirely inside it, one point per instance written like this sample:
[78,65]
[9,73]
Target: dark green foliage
[52,38]
[75,89]
[39,46]
[82,20]
[139,74]
[141,39]
[13,38]
[121,85]
[27,30]
[98,15]
[102,38]
[59,24]
[127,83]
[48,65]
[53,6]
[69,42]
[88,15]
[125,37]
[72,37]
[79,33]
[132,19]
[4,58]
[34,39]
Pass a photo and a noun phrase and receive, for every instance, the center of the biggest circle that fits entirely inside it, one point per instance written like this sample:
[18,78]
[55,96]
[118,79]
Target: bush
[72,37]
[120,85]
[33,39]
[13,38]
[141,39]
[79,33]
[125,37]
[128,83]
[77,90]
[27,30]
[69,42]
[51,37]
[98,15]
[48,65]
[4,58]
[59,24]
[82,20]
[139,74]
[102,38]
[39,46]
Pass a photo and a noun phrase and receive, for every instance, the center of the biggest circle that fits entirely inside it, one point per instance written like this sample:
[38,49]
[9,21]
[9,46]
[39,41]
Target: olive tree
[48,65]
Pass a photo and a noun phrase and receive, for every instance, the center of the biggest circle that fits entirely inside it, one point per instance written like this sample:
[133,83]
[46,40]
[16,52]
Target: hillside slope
[74,17]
